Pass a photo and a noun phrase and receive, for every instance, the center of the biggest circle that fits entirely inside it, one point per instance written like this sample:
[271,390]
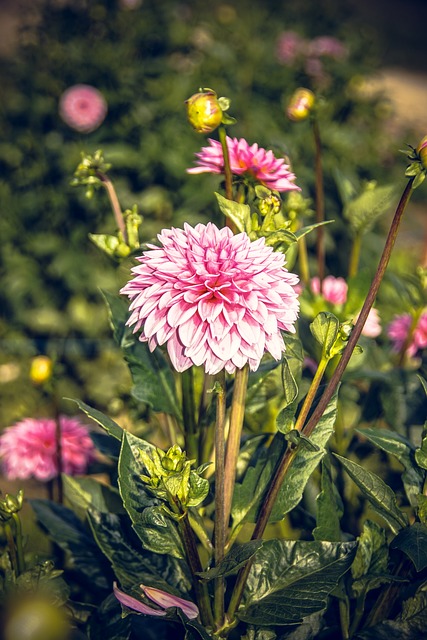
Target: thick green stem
[326,397]
[320,204]
[12,548]
[19,546]
[353,266]
[227,169]
[311,394]
[115,204]
[188,414]
[220,521]
[233,443]
[303,261]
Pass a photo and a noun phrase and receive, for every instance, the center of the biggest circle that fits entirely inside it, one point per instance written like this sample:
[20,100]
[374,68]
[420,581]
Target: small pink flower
[159,597]
[372,326]
[327,46]
[334,290]
[28,448]
[244,159]
[289,47]
[82,107]
[398,331]
[215,298]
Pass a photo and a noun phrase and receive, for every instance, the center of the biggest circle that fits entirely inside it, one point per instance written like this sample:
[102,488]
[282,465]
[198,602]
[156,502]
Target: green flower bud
[300,105]
[40,369]
[204,111]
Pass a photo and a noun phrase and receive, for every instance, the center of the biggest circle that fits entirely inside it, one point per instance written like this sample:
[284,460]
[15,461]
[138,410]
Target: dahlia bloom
[28,448]
[244,159]
[372,327]
[334,290]
[399,328]
[159,597]
[215,298]
[83,108]
[289,47]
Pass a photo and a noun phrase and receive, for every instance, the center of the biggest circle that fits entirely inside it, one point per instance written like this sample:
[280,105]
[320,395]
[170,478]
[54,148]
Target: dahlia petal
[132,603]
[179,313]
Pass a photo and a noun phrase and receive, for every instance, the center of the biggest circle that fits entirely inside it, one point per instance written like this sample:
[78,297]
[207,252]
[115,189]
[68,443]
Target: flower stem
[18,539]
[227,169]
[115,204]
[12,548]
[309,427]
[188,413]
[308,401]
[233,443]
[320,204]
[355,255]
[303,261]
[220,521]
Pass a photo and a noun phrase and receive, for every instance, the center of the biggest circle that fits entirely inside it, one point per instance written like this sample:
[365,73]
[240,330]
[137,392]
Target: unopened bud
[40,369]
[204,111]
[300,105]
[422,151]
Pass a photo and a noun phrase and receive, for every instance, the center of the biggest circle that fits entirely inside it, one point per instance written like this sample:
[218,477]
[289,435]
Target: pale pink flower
[372,326]
[245,159]
[327,46]
[159,597]
[399,328]
[82,107]
[215,298]
[289,47]
[334,290]
[28,448]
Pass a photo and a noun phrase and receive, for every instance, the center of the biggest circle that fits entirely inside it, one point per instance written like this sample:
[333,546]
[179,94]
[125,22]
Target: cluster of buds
[205,111]
[115,246]
[418,167]
[90,171]
[171,478]
[10,504]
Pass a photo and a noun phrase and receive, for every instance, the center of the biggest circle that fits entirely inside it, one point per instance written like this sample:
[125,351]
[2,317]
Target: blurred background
[147,57]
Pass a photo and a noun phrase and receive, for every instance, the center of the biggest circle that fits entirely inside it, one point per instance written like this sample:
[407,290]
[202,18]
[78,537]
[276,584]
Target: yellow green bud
[422,151]
[300,105]
[41,369]
[204,111]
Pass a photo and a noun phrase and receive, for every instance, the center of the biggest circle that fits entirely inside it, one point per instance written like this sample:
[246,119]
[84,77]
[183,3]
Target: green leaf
[382,498]
[325,328]
[238,213]
[235,558]
[363,210]
[290,387]
[193,628]
[399,447]
[70,534]
[303,231]
[107,621]
[111,427]
[84,493]
[157,532]
[152,377]
[413,542]
[329,507]
[290,580]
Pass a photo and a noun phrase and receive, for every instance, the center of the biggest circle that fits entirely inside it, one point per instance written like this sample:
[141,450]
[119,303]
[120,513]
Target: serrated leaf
[290,580]
[84,493]
[329,507]
[382,498]
[111,427]
[413,542]
[156,531]
[235,558]
[363,210]
[324,329]
[152,377]
[237,212]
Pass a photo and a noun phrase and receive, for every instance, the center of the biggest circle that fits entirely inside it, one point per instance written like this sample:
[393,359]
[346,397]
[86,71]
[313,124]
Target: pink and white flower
[372,327]
[83,108]
[398,331]
[334,290]
[28,449]
[216,299]
[290,46]
[248,160]
[161,598]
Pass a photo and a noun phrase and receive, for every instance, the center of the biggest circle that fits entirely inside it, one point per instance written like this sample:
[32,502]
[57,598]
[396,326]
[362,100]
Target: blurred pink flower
[244,159]
[82,107]
[159,597]
[327,46]
[28,448]
[399,328]
[290,46]
[372,327]
[334,290]
[215,298]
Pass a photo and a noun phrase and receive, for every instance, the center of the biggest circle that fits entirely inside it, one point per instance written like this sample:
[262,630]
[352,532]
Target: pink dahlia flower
[28,448]
[215,298]
[244,159]
[399,328]
[290,46]
[83,108]
[372,327]
[334,290]
[327,46]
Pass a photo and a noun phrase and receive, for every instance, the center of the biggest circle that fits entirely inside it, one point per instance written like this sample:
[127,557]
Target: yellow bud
[40,369]
[204,112]
[300,105]
[422,151]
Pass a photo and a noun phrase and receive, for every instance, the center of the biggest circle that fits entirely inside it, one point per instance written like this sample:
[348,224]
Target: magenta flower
[289,47]
[244,159]
[28,448]
[159,597]
[398,331]
[327,46]
[83,108]
[215,298]
[334,290]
